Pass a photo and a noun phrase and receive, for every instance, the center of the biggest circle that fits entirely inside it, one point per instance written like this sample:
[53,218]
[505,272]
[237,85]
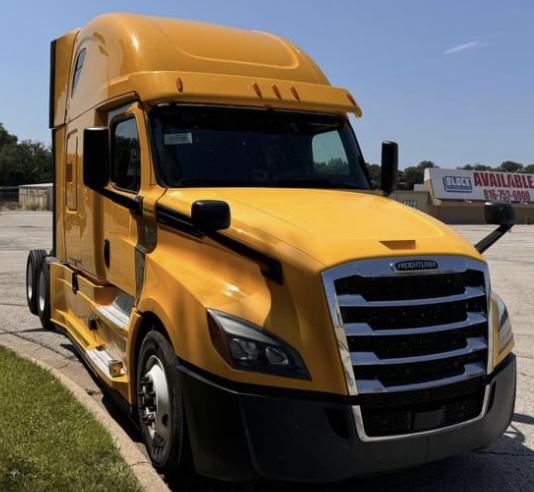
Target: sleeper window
[78,71]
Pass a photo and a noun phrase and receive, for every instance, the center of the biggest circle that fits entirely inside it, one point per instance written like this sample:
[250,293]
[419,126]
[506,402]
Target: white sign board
[456,184]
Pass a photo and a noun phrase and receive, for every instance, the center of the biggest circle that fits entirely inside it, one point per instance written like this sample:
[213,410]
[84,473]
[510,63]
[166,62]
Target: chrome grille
[411,332]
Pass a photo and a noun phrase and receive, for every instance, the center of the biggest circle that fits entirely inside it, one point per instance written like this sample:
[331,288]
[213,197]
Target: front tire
[160,407]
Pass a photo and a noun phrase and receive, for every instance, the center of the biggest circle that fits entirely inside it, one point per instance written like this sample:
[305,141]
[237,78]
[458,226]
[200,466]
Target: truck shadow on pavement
[523,419]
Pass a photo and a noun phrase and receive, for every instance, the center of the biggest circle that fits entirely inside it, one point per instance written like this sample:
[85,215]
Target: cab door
[120,231]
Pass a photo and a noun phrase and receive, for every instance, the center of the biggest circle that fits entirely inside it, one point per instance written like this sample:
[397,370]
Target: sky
[452,81]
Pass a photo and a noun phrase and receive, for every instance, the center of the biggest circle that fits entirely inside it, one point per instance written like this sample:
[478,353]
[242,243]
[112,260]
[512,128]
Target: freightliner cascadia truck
[223,265]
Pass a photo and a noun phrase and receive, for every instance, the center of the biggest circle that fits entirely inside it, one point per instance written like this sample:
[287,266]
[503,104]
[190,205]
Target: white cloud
[466,46]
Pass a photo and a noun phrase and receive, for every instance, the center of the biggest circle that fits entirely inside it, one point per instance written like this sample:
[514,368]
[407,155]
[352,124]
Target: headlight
[246,346]
[505,325]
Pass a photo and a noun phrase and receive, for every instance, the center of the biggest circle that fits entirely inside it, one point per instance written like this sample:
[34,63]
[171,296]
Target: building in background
[36,196]
[457,196]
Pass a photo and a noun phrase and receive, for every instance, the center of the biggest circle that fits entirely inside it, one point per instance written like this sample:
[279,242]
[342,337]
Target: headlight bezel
[229,334]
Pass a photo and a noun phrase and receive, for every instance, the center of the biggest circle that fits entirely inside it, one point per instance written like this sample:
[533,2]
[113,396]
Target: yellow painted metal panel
[127,53]
[331,227]
[60,76]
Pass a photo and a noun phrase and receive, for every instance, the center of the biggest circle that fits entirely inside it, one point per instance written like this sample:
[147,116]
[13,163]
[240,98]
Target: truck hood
[328,227]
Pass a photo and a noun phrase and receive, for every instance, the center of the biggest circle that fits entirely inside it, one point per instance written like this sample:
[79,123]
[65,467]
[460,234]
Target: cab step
[118,313]
[106,363]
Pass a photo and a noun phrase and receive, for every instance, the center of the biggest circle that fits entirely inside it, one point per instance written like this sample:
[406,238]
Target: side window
[78,71]
[329,155]
[126,156]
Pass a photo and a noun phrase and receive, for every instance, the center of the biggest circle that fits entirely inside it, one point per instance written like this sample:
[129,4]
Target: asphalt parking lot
[508,465]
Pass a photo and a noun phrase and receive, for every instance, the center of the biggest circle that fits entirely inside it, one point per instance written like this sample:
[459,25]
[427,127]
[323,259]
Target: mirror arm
[493,237]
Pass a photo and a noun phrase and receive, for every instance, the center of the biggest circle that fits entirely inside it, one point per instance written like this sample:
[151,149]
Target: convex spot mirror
[500,213]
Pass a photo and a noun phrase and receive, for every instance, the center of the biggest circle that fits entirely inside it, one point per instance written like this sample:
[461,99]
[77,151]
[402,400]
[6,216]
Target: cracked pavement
[507,465]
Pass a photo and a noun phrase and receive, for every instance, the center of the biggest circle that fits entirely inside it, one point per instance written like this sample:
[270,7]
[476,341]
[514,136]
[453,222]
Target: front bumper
[241,434]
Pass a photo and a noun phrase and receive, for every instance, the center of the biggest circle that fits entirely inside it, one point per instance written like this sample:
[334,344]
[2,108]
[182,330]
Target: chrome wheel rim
[154,399]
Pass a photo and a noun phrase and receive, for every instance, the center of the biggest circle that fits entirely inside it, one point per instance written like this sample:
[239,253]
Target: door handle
[107,252]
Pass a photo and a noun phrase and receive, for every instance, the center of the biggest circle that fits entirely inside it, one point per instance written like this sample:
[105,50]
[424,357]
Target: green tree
[26,162]
[476,167]
[5,137]
[510,167]
[374,174]
[333,166]
[414,175]
[528,169]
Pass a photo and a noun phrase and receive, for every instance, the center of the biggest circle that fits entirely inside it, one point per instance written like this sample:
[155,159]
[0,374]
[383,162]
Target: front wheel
[160,407]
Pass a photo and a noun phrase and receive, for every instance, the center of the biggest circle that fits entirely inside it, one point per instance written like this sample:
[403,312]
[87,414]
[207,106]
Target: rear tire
[161,410]
[33,266]
[43,296]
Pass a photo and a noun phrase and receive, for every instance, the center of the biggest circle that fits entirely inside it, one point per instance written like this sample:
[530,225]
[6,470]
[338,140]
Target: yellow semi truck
[223,266]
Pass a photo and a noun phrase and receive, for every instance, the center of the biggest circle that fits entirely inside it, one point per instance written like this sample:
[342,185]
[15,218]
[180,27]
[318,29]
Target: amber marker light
[294,92]
[179,85]
[115,368]
[276,91]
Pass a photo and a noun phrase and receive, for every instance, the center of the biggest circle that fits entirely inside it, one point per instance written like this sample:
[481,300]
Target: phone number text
[507,195]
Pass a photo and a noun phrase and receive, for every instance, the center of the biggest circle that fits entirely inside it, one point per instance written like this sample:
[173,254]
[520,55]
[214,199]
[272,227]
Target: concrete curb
[58,366]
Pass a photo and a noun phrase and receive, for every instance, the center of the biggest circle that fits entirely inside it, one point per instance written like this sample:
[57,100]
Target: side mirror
[210,215]
[96,157]
[498,213]
[390,165]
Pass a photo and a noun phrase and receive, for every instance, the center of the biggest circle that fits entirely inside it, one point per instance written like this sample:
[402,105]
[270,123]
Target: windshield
[214,146]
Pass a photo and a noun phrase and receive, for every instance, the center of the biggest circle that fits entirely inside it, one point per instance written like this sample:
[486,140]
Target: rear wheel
[160,408]
[33,266]
[43,296]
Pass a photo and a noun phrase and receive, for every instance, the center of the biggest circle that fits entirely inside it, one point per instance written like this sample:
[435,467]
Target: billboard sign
[457,184]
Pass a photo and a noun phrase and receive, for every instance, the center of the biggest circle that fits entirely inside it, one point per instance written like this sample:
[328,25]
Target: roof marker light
[276,91]
[294,92]
[179,85]
[257,89]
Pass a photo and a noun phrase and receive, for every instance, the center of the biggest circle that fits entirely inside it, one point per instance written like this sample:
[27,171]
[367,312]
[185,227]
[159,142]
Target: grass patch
[48,440]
